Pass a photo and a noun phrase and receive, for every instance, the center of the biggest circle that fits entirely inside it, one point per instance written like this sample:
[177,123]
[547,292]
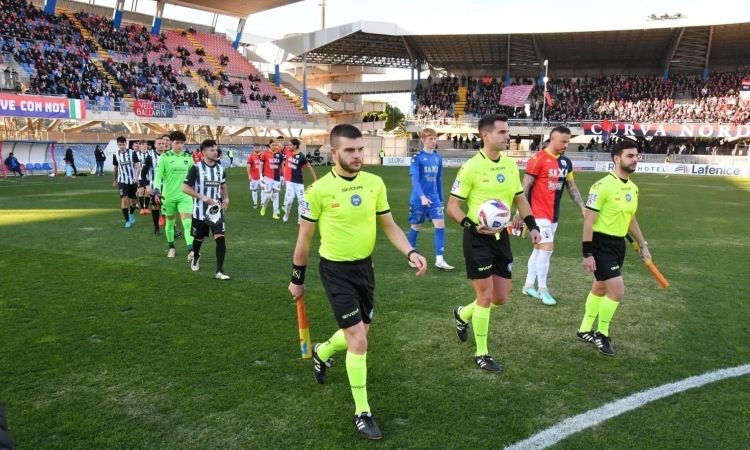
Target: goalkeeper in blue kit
[426,201]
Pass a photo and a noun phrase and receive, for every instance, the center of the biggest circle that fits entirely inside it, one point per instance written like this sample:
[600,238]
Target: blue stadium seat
[47,167]
[37,166]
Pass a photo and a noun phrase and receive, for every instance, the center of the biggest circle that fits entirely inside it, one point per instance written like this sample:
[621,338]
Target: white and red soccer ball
[494,214]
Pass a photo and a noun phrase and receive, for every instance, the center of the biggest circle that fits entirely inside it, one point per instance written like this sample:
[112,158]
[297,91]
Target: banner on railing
[745,89]
[685,130]
[41,107]
[146,108]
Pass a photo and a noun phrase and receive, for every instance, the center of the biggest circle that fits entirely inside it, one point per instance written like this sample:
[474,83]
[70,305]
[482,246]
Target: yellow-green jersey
[616,202]
[171,172]
[481,179]
[346,212]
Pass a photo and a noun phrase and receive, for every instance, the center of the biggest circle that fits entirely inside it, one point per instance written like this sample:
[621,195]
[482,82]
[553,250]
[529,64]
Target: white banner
[730,170]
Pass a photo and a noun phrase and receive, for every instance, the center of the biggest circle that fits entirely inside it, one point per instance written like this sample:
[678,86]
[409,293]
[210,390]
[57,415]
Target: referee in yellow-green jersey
[347,204]
[489,261]
[610,215]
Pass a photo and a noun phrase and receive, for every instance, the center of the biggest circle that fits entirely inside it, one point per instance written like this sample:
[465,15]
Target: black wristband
[411,252]
[298,274]
[468,224]
[530,223]
[587,247]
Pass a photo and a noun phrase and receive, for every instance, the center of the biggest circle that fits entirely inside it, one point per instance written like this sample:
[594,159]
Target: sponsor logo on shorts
[614,268]
[482,269]
[350,314]
[510,267]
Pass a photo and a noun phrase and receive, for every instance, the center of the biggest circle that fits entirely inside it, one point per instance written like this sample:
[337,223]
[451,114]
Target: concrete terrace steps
[461,103]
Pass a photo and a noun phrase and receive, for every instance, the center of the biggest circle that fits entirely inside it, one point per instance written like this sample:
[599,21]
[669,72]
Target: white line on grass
[567,427]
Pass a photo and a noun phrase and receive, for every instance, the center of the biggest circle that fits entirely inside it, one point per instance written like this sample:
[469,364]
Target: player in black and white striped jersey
[127,168]
[144,200]
[147,178]
[206,183]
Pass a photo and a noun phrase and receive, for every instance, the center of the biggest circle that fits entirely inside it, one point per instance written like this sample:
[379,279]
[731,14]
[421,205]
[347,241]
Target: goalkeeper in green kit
[171,171]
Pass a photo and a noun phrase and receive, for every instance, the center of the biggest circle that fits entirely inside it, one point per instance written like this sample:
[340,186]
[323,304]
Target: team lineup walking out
[295,186]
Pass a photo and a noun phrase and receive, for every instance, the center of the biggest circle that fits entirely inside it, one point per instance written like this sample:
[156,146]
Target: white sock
[263,198]
[255,198]
[275,202]
[531,275]
[542,268]
[438,259]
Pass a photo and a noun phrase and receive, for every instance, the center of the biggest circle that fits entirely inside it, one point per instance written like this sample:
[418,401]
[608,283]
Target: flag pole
[544,102]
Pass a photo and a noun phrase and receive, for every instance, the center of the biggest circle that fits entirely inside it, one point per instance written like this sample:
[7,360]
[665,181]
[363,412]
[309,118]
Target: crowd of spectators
[155,82]
[626,98]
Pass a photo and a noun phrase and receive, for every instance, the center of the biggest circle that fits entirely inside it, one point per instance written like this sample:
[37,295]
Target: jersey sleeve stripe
[309,219]
[458,196]
[519,193]
[380,213]
[592,209]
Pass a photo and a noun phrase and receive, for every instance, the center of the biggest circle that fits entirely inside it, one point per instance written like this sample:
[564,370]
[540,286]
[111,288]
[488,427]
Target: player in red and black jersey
[548,172]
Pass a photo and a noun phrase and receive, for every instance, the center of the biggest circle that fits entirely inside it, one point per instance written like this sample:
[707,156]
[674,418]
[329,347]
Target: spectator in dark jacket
[100,157]
[69,160]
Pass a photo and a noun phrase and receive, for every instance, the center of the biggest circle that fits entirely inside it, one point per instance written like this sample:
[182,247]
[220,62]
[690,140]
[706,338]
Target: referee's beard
[349,168]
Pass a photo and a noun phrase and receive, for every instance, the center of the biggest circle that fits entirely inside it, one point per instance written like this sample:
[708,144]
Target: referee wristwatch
[644,244]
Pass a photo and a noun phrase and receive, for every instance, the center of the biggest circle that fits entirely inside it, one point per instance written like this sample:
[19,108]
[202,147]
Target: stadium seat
[37,167]
[47,167]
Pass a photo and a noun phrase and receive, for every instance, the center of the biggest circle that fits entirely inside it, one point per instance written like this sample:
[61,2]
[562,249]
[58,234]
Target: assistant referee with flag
[609,216]
[346,203]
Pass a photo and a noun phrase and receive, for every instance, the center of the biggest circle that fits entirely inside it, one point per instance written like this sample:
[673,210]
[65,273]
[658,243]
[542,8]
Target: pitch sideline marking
[572,425]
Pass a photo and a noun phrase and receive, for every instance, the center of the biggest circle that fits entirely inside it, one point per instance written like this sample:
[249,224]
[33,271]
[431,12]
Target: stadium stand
[627,98]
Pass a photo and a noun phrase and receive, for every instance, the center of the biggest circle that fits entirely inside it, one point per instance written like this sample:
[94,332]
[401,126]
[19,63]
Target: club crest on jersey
[628,197]
[356,200]
[500,178]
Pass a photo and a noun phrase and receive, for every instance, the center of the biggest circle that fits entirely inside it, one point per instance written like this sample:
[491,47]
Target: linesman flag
[515,96]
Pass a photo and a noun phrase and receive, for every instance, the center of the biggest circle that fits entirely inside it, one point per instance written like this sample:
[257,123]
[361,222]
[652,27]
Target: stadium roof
[386,45]
[233,8]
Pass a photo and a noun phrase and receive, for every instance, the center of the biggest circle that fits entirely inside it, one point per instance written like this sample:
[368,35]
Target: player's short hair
[427,132]
[487,122]
[344,130]
[561,129]
[295,143]
[621,146]
[121,139]
[177,136]
[207,144]
[165,136]
[279,138]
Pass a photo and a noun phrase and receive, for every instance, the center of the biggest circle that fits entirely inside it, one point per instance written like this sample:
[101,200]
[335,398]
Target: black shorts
[200,228]
[350,287]
[143,184]
[609,255]
[126,190]
[487,255]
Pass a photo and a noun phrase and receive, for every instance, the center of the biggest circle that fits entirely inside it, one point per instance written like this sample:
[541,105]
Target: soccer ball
[494,214]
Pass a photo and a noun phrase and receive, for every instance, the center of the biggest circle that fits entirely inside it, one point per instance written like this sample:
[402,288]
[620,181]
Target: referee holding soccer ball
[610,215]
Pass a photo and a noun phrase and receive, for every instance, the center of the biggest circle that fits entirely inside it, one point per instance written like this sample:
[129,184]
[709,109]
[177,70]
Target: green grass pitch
[107,344]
